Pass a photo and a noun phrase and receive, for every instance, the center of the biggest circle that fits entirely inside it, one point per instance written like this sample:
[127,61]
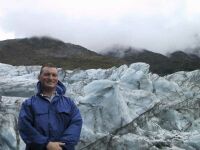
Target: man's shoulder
[29,100]
[66,98]
[69,100]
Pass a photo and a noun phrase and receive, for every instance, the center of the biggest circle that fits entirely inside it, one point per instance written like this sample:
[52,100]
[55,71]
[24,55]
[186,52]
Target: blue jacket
[41,121]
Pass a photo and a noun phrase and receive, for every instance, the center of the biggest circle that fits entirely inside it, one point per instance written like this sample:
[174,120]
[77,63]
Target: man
[49,120]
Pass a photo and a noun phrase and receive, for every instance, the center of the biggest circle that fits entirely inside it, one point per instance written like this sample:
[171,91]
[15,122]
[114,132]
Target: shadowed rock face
[122,108]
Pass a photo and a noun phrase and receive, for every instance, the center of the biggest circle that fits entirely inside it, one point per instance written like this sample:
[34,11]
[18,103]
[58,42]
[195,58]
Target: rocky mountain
[40,50]
[124,108]
[160,64]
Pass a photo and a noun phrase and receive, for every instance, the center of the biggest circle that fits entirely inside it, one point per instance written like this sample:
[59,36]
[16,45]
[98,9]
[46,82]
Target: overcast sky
[157,25]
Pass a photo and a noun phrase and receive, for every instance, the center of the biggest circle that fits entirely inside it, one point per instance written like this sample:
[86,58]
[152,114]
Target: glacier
[124,108]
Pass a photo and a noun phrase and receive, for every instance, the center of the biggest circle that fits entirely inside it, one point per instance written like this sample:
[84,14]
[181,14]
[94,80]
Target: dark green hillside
[37,51]
[40,50]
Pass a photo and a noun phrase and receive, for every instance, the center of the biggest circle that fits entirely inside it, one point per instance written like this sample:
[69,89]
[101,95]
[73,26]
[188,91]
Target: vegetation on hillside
[40,50]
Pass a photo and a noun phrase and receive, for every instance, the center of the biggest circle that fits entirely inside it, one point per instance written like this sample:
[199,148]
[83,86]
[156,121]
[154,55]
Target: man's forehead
[49,69]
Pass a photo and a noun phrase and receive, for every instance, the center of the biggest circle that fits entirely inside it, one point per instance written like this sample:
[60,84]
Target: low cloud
[159,26]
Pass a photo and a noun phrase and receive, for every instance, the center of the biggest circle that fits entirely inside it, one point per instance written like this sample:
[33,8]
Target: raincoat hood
[60,88]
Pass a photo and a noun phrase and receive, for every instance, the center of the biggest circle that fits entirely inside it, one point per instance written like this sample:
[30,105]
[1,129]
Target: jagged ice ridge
[122,108]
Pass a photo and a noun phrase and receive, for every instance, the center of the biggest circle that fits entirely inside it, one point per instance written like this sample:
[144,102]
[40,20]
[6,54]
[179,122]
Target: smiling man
[49,120]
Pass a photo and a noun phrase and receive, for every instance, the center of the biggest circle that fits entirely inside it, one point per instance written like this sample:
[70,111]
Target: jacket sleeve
[71,135]
[28,133]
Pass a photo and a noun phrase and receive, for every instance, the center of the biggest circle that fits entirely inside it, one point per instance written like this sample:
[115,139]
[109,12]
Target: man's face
[49,77]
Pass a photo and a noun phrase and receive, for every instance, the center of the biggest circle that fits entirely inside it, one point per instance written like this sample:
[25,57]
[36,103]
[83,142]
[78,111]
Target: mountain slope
[160,64]
[40,50]
[184,61]
[37,51]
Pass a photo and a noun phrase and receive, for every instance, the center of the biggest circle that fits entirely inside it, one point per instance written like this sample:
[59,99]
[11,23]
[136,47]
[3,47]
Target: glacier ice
[122,108]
